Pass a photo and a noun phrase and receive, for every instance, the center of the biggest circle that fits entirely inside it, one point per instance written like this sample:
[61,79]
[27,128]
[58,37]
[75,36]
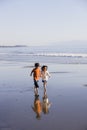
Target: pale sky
[38,22]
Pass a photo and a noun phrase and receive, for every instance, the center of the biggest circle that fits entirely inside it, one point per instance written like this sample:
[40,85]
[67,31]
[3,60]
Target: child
[36,76]
[45,75]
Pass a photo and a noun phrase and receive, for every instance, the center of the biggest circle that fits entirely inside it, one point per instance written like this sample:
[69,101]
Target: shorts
[36,83]
[44,81]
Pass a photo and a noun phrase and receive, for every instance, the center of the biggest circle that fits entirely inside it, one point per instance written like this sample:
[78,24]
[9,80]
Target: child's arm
[40,73]
[48,74]
[33,108]
[31,73]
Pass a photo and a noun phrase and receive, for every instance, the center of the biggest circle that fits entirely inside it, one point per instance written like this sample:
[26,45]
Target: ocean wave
[60,54]
[49,54]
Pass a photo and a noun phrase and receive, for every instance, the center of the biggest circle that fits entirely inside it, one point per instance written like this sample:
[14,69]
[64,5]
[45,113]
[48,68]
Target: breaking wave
[47,54]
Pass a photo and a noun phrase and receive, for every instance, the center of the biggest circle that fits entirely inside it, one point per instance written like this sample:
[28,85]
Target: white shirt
[45,75]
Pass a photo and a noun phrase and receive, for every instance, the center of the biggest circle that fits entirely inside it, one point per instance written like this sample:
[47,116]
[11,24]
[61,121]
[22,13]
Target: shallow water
[66,91]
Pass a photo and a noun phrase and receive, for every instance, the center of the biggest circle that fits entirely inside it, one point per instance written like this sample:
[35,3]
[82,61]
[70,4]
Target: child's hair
[42,68]
[37,65]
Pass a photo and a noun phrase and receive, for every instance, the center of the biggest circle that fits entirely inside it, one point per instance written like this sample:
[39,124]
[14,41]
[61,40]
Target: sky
[38,22]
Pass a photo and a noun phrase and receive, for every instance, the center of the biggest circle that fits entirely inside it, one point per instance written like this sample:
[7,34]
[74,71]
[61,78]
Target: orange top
[36,73]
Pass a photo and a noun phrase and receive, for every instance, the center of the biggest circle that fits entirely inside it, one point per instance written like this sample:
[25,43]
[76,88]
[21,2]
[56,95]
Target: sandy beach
[66,90]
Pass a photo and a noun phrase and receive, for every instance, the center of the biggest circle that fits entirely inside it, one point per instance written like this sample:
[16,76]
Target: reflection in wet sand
[37,107]
[41,106]
[45,104]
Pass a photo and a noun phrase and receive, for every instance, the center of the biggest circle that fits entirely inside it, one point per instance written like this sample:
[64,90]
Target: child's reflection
[45,103]
[37,107]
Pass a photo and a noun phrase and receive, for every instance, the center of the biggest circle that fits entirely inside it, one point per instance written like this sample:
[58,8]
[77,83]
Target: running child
[45,75]
[36,76]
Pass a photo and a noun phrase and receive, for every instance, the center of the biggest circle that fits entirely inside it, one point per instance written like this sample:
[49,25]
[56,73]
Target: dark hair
[37,65]
[42,68]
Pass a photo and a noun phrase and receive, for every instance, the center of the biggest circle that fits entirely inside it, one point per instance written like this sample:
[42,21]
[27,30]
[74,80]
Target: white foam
[60,54]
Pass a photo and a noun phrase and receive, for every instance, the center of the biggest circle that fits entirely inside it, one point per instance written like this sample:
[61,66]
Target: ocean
[44,54]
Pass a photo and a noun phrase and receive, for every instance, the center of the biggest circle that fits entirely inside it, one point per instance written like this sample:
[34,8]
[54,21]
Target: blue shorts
[44,81]
[36,83]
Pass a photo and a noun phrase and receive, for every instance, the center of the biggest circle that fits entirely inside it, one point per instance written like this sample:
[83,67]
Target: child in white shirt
[45,75]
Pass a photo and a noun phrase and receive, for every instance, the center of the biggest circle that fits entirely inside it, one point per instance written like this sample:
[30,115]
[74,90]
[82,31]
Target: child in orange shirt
[36,76]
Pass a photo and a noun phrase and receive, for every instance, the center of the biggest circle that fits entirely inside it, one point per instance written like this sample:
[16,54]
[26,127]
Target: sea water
[48,54]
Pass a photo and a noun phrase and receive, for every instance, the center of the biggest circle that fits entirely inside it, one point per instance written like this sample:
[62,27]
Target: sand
[66,90]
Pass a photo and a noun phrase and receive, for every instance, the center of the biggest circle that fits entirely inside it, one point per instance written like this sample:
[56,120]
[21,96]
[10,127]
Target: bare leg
[45,84]
[36,91]
[36,87]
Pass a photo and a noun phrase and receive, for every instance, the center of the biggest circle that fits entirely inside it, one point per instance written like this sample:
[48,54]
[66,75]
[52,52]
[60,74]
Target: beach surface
[66,90]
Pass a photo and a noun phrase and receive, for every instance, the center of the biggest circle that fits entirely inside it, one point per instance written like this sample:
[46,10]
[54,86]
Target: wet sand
[66,90]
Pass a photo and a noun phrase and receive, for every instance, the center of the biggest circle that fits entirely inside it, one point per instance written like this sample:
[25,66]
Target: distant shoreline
[13,46]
